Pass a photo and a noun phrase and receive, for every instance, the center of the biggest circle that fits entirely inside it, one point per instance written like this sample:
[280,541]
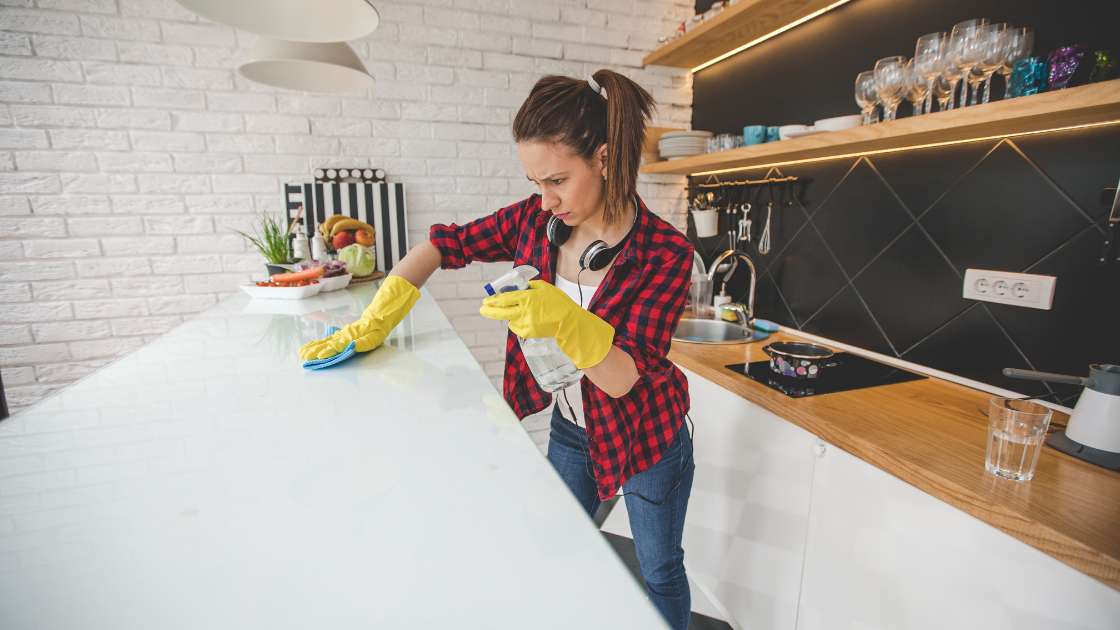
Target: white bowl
[838,123]
[282,293]
[335,283]
[807,132]
[791,131]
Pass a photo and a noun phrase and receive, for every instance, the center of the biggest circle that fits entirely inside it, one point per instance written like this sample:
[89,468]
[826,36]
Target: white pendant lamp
[294,20]
[314,67]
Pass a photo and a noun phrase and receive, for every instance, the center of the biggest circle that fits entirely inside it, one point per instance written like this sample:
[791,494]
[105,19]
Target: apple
[363,238]
[342,239]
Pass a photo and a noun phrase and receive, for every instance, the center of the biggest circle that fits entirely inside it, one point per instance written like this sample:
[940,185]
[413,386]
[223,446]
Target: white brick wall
[130,149]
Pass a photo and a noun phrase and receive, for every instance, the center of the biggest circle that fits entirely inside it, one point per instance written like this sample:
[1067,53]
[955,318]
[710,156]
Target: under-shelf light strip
[774,33]
[911,147]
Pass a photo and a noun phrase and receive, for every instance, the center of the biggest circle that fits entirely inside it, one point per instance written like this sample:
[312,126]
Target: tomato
[286,284]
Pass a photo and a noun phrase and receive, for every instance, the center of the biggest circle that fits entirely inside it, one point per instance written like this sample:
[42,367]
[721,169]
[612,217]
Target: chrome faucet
[749,314]
[742,315]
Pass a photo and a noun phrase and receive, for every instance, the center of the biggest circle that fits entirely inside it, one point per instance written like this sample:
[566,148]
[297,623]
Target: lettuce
[359,259]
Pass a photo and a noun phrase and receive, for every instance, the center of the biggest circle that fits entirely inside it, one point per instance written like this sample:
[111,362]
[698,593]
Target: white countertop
[207,481]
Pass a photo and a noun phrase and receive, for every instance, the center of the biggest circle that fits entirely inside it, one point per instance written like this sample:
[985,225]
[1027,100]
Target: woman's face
[570,188]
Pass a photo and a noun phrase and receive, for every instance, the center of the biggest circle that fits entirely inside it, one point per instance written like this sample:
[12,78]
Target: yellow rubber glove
[542,310]
[393,300]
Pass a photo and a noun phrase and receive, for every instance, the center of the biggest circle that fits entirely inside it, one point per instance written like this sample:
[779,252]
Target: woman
[611,309]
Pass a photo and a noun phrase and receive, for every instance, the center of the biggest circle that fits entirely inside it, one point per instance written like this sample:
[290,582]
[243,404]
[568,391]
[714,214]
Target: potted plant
[271,241]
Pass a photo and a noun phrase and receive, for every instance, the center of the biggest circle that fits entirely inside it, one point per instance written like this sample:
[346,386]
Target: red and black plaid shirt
[643,296]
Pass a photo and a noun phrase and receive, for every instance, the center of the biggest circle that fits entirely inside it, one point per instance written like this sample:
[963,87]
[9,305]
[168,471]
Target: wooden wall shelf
[734,26]
[1084,105]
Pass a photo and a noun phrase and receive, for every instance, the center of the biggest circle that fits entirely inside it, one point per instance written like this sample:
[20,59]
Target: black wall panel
[874,249]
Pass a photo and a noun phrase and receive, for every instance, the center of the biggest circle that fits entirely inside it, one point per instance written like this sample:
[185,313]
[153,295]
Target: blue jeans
[657,529]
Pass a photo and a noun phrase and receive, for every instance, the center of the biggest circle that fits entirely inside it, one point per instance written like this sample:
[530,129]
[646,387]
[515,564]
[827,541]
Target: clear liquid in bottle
[552,368]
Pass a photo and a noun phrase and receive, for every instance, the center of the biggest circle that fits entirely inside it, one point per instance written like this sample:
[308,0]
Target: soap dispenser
[722,298]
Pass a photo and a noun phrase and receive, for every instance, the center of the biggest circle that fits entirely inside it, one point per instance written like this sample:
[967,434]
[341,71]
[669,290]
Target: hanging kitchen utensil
[752,199]
[764,240]
[745,224]
[1093,431]
[1111,253]
[734,262]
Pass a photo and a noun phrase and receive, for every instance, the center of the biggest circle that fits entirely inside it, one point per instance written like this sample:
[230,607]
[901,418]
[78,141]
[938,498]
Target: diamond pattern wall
[873,251]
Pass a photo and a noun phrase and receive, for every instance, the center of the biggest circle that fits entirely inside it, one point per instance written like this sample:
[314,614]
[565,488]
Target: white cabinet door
[746,525]
[882,554]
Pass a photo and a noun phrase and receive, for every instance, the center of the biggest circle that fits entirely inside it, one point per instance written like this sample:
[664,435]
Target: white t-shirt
[573,394]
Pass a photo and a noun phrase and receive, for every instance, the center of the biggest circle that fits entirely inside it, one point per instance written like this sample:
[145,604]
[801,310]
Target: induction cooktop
[851,372]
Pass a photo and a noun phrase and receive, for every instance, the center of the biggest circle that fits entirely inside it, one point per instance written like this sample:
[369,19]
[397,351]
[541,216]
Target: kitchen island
[208,481]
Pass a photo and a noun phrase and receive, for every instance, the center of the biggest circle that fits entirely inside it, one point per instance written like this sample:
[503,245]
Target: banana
[325,226]
[349,224]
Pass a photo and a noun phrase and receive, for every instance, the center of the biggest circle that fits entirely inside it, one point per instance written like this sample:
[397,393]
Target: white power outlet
[1005,287]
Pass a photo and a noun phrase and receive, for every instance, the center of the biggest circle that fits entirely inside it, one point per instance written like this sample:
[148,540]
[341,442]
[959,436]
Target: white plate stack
[675,144]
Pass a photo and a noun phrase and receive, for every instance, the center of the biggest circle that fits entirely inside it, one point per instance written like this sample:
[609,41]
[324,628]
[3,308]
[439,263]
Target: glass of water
[700,296]
[1016,429]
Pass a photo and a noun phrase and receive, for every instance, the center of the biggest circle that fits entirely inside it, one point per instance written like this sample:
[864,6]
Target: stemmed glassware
[943,91]
[929,60]
[963,54]
[917,89]
[1017,43]
[890,83]
[866,96]
[970,54]
[989,54]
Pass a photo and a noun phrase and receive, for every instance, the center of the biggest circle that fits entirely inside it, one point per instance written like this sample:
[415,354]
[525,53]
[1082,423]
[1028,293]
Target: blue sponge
[765,325]
[318,364]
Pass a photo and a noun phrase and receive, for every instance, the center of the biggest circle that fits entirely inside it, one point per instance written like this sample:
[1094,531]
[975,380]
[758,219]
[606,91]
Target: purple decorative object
[1064,62]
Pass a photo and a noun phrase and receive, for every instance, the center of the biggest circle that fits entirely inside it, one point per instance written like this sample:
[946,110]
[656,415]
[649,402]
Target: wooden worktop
[931,434]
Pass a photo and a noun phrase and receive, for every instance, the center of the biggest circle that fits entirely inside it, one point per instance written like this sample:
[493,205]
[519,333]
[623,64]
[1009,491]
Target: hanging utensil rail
[747,182]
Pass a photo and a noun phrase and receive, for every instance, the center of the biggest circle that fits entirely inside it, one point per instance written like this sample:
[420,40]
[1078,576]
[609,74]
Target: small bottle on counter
[722,298]
[318,247]
[300,248]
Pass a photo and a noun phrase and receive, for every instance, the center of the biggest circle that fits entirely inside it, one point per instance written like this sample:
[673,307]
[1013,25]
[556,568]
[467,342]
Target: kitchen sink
[716,331]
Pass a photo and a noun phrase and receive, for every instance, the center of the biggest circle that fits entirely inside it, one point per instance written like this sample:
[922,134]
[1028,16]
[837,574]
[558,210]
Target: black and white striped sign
[379,204]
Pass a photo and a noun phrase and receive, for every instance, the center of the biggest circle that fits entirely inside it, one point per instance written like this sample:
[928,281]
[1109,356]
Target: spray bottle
[552,368]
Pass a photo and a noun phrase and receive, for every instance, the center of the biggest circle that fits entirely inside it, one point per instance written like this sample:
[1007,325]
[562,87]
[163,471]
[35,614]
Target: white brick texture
[130,149]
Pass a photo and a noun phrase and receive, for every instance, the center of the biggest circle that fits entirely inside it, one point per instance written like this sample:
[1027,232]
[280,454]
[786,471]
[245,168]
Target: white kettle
[1095,422]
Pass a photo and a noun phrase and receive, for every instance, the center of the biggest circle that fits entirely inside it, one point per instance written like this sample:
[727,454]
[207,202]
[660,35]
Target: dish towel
[347,352]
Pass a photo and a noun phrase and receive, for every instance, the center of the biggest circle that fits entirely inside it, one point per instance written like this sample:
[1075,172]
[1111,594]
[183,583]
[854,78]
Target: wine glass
[943,91]
[866,96]
[917,89]
[963,53]
[890,83]
[929,59]
[1017,44]
[987,45]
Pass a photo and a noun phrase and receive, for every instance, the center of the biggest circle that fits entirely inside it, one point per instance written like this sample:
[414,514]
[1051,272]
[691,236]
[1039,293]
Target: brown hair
[570,112]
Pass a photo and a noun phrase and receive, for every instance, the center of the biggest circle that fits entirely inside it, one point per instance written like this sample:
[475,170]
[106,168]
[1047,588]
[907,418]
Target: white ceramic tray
[282,293]
[335,283]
